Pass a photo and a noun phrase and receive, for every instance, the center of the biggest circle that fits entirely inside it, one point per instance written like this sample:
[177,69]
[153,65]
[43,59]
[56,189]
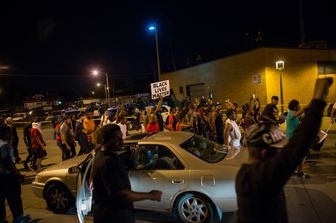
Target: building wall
[299,74]
[231,77]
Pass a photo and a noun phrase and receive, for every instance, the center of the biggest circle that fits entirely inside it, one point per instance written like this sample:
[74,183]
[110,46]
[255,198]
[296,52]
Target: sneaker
[22,219]
[303,175]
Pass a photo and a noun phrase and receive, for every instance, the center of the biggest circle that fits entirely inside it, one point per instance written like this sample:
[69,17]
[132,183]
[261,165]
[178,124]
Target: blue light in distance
[151,28]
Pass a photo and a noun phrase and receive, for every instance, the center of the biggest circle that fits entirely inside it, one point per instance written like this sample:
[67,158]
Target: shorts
[38,152]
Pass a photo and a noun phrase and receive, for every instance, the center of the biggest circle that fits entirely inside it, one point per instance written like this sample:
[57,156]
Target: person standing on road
[27,141]
[292,122]
[112,194]
[217,126]
[10,177]
[68,141]
[38,144]
[90,127]
[59,140]
[232,134]
[153,125]
[271,111]
[158,114]
[105,119]
[14,138]
[121,122]
[271,162]
[81,136]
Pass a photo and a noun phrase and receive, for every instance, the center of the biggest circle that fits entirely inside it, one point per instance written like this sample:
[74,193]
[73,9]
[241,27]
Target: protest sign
[161,88]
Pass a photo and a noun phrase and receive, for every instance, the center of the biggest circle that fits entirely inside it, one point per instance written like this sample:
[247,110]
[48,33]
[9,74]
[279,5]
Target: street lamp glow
[151,28]
[280,65]
[95,72]
[98,84]
[92,92]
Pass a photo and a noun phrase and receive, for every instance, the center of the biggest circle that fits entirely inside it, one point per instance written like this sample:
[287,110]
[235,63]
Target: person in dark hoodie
[272,161]
[112,193]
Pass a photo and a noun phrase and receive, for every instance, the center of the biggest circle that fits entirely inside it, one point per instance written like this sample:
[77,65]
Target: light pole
[107,86]
[280,65]
[154,28]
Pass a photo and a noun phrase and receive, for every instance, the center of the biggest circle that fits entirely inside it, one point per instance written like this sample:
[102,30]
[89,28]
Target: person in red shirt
[153,125]
[38,145]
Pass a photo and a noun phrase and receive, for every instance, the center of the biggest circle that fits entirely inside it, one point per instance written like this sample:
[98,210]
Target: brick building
[239,76]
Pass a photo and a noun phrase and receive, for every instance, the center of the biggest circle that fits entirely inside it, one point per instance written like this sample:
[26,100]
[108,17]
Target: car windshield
[205,149]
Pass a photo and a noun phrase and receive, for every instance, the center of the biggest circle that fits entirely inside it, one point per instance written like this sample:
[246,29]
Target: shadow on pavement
[309,205]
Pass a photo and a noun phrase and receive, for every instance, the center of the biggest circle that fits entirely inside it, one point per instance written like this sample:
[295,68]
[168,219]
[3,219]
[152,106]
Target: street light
[154,28]
[280,65]
[92,92]
[98,84]
[107,89]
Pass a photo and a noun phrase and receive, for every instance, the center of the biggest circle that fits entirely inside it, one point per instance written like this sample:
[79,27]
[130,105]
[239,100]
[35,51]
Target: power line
[72,76]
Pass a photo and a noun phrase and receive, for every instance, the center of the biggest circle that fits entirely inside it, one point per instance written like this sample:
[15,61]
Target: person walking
[121,122]
[13,138]
[59,140]
[90,127]
[27,140]
[81,136]
[10,178]
[271,111]
[217,126]
[232,134]
[68,141]
[272,160]
[153,125]
[112,193]
[105,119]
[38,144]
[292,122]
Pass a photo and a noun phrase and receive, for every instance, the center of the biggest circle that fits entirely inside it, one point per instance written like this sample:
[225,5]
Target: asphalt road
[308,200]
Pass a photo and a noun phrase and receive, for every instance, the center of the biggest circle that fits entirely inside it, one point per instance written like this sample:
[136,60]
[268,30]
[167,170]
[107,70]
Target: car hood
[67,163]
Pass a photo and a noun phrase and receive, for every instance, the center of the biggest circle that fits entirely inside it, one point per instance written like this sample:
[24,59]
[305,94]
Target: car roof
[176,138]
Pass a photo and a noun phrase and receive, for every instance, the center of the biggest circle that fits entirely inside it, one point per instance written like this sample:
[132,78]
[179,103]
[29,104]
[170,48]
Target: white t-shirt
[235,134]
[123,129]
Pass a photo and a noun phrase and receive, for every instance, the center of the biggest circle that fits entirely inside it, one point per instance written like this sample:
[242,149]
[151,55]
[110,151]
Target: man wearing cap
[271,162]
[271,110]
[68,141]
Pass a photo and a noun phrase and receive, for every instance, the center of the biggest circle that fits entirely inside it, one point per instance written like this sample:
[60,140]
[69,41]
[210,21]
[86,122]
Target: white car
[197,176]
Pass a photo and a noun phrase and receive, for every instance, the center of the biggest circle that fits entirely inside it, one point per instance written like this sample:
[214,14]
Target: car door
[158,168]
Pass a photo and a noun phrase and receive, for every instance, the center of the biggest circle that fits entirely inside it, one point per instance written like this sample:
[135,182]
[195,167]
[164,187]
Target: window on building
[326,67]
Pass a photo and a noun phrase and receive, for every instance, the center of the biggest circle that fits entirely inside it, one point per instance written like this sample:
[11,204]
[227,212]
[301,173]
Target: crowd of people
[201,116]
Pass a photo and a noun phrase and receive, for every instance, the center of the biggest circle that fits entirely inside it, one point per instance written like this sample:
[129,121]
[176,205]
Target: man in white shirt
[121,122]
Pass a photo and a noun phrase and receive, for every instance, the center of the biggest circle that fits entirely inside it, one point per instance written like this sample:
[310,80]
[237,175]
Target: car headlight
[73,170]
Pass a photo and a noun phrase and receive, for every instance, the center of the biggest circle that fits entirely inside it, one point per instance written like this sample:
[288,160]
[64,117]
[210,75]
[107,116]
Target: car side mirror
[140,167]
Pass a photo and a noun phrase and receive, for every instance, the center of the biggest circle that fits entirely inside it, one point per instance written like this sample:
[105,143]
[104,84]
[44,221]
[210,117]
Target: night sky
[56,44]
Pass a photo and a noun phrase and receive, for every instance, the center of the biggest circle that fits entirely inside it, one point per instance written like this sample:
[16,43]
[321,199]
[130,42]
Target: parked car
[40,113]
[20,117]
[196,175]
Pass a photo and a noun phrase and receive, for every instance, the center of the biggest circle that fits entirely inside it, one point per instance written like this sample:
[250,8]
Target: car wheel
[59,199]
[192,208]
